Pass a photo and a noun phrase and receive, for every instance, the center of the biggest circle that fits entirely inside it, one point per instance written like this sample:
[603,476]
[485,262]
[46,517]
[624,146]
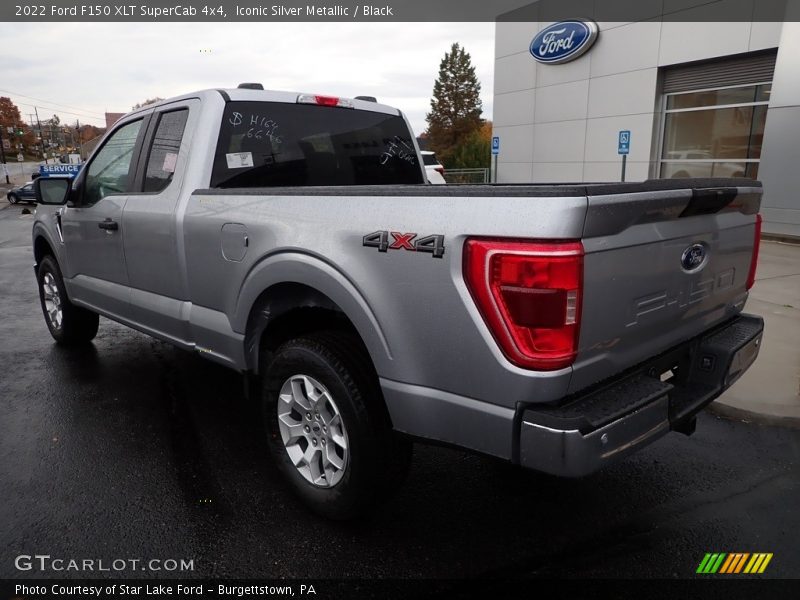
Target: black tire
[77,325]
[378,458]
[13,199]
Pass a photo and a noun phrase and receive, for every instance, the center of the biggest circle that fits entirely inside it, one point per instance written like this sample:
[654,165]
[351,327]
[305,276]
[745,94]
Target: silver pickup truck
[292,237]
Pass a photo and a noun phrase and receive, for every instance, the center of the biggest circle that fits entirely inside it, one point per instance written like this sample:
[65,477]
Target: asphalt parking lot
[130,448]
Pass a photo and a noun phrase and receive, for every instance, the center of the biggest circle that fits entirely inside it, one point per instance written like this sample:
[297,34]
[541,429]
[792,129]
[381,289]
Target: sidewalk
[17,176]
[770,390]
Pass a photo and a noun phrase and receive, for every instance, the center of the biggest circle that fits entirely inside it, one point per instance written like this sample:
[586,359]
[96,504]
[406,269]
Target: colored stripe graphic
[702,567]
[741,562]
[765,563]
[734,563]
[711,563]
[717,564]
[727,564]
[758,563]
[723,563]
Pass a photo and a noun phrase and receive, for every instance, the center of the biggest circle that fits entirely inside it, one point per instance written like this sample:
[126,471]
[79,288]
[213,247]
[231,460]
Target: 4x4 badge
[405,241]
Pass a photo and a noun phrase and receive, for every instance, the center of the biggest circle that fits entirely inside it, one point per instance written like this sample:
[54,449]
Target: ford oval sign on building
[563,41]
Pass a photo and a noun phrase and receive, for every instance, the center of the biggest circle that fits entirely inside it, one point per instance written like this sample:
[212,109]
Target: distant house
[112,118]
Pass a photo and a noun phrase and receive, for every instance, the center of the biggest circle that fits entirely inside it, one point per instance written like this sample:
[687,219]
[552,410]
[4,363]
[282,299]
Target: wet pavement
[130,448]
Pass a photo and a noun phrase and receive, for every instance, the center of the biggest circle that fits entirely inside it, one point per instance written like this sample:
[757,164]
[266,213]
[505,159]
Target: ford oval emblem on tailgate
[563,41]
[693,257]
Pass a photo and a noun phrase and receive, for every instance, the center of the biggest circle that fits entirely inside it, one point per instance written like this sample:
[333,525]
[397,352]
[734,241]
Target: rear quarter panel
[413,311]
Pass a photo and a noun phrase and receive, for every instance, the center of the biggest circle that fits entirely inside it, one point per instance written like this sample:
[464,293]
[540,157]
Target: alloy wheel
[52,301]
[312,431]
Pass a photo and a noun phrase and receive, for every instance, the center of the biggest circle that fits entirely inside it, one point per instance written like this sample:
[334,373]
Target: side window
[108,172]
[164,152]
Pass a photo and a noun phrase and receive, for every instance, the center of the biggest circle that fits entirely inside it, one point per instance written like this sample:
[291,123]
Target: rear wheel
[68,324]
[327,427]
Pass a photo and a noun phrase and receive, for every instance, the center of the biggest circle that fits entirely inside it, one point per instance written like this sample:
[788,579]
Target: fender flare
[40,230]
[322,278]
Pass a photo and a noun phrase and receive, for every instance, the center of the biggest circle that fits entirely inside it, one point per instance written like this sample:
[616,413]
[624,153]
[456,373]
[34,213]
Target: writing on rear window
[263,144]
[259,127]
[398,147]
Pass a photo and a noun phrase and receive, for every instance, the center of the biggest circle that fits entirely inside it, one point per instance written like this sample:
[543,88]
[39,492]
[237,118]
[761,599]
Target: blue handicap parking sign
[496,145]
[624,146]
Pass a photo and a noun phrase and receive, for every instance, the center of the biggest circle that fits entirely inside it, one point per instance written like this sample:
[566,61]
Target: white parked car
[433,168]
[700,163]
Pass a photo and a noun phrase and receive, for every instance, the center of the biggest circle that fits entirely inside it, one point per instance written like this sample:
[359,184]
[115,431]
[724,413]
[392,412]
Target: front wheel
[68,324]
[13,199]
[328,430]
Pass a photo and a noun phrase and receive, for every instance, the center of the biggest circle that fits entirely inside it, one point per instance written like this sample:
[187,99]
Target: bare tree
[146,102]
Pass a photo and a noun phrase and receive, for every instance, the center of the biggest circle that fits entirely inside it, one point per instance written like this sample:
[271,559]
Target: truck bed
[537,190]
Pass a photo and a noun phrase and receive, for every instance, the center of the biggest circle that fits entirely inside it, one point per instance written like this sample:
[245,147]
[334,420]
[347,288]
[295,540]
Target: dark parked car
[24,193]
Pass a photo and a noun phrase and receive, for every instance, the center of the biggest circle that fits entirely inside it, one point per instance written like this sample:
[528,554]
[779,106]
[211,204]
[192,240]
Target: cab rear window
[263,144]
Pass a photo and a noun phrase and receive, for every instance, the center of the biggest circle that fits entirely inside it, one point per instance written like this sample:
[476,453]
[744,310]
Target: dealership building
[698,98]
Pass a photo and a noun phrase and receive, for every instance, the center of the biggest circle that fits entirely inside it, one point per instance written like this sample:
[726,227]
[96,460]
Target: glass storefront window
[714,133]
[709,169]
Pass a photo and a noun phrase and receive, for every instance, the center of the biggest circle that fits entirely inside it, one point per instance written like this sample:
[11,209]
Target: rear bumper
[620,416]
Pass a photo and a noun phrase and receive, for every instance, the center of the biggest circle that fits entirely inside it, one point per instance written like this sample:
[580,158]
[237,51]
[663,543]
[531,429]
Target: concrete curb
[783,239]
[739,414]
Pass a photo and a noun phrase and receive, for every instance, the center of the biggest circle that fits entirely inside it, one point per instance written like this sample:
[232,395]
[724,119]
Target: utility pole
[41,138]
[3,156]
[3,151]
[80,140]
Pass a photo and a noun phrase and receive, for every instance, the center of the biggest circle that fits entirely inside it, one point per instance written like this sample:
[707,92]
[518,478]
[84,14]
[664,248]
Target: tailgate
[664,261]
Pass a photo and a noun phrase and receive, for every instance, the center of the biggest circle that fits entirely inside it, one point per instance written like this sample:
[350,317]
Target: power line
[59,110]
[50,102]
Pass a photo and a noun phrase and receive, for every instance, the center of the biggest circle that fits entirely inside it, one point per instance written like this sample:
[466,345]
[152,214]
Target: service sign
[59,170]
[564,41]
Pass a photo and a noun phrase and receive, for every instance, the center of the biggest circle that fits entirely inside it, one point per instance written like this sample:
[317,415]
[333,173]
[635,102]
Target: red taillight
[751,275]
[327,100]
[439,170]
[529,294]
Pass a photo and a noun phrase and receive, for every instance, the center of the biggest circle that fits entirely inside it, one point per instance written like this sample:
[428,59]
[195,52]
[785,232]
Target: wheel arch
[42,246]
[294,294]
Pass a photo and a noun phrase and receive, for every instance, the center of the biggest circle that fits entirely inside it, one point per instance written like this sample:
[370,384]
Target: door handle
[108,225]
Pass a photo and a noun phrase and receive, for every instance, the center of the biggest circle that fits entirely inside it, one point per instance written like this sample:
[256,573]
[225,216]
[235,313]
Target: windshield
[430,159]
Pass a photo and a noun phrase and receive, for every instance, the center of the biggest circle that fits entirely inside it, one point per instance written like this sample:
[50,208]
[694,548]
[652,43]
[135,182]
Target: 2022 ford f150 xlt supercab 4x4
[292,237]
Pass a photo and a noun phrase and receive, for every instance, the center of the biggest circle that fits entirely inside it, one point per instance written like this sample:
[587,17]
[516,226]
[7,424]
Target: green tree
[475,151]
[456,105]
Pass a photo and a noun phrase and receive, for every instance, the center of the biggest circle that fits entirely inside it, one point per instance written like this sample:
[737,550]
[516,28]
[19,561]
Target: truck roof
[251,95]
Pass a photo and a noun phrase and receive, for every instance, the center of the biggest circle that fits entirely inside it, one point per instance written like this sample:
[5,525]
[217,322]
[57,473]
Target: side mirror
[53,190]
